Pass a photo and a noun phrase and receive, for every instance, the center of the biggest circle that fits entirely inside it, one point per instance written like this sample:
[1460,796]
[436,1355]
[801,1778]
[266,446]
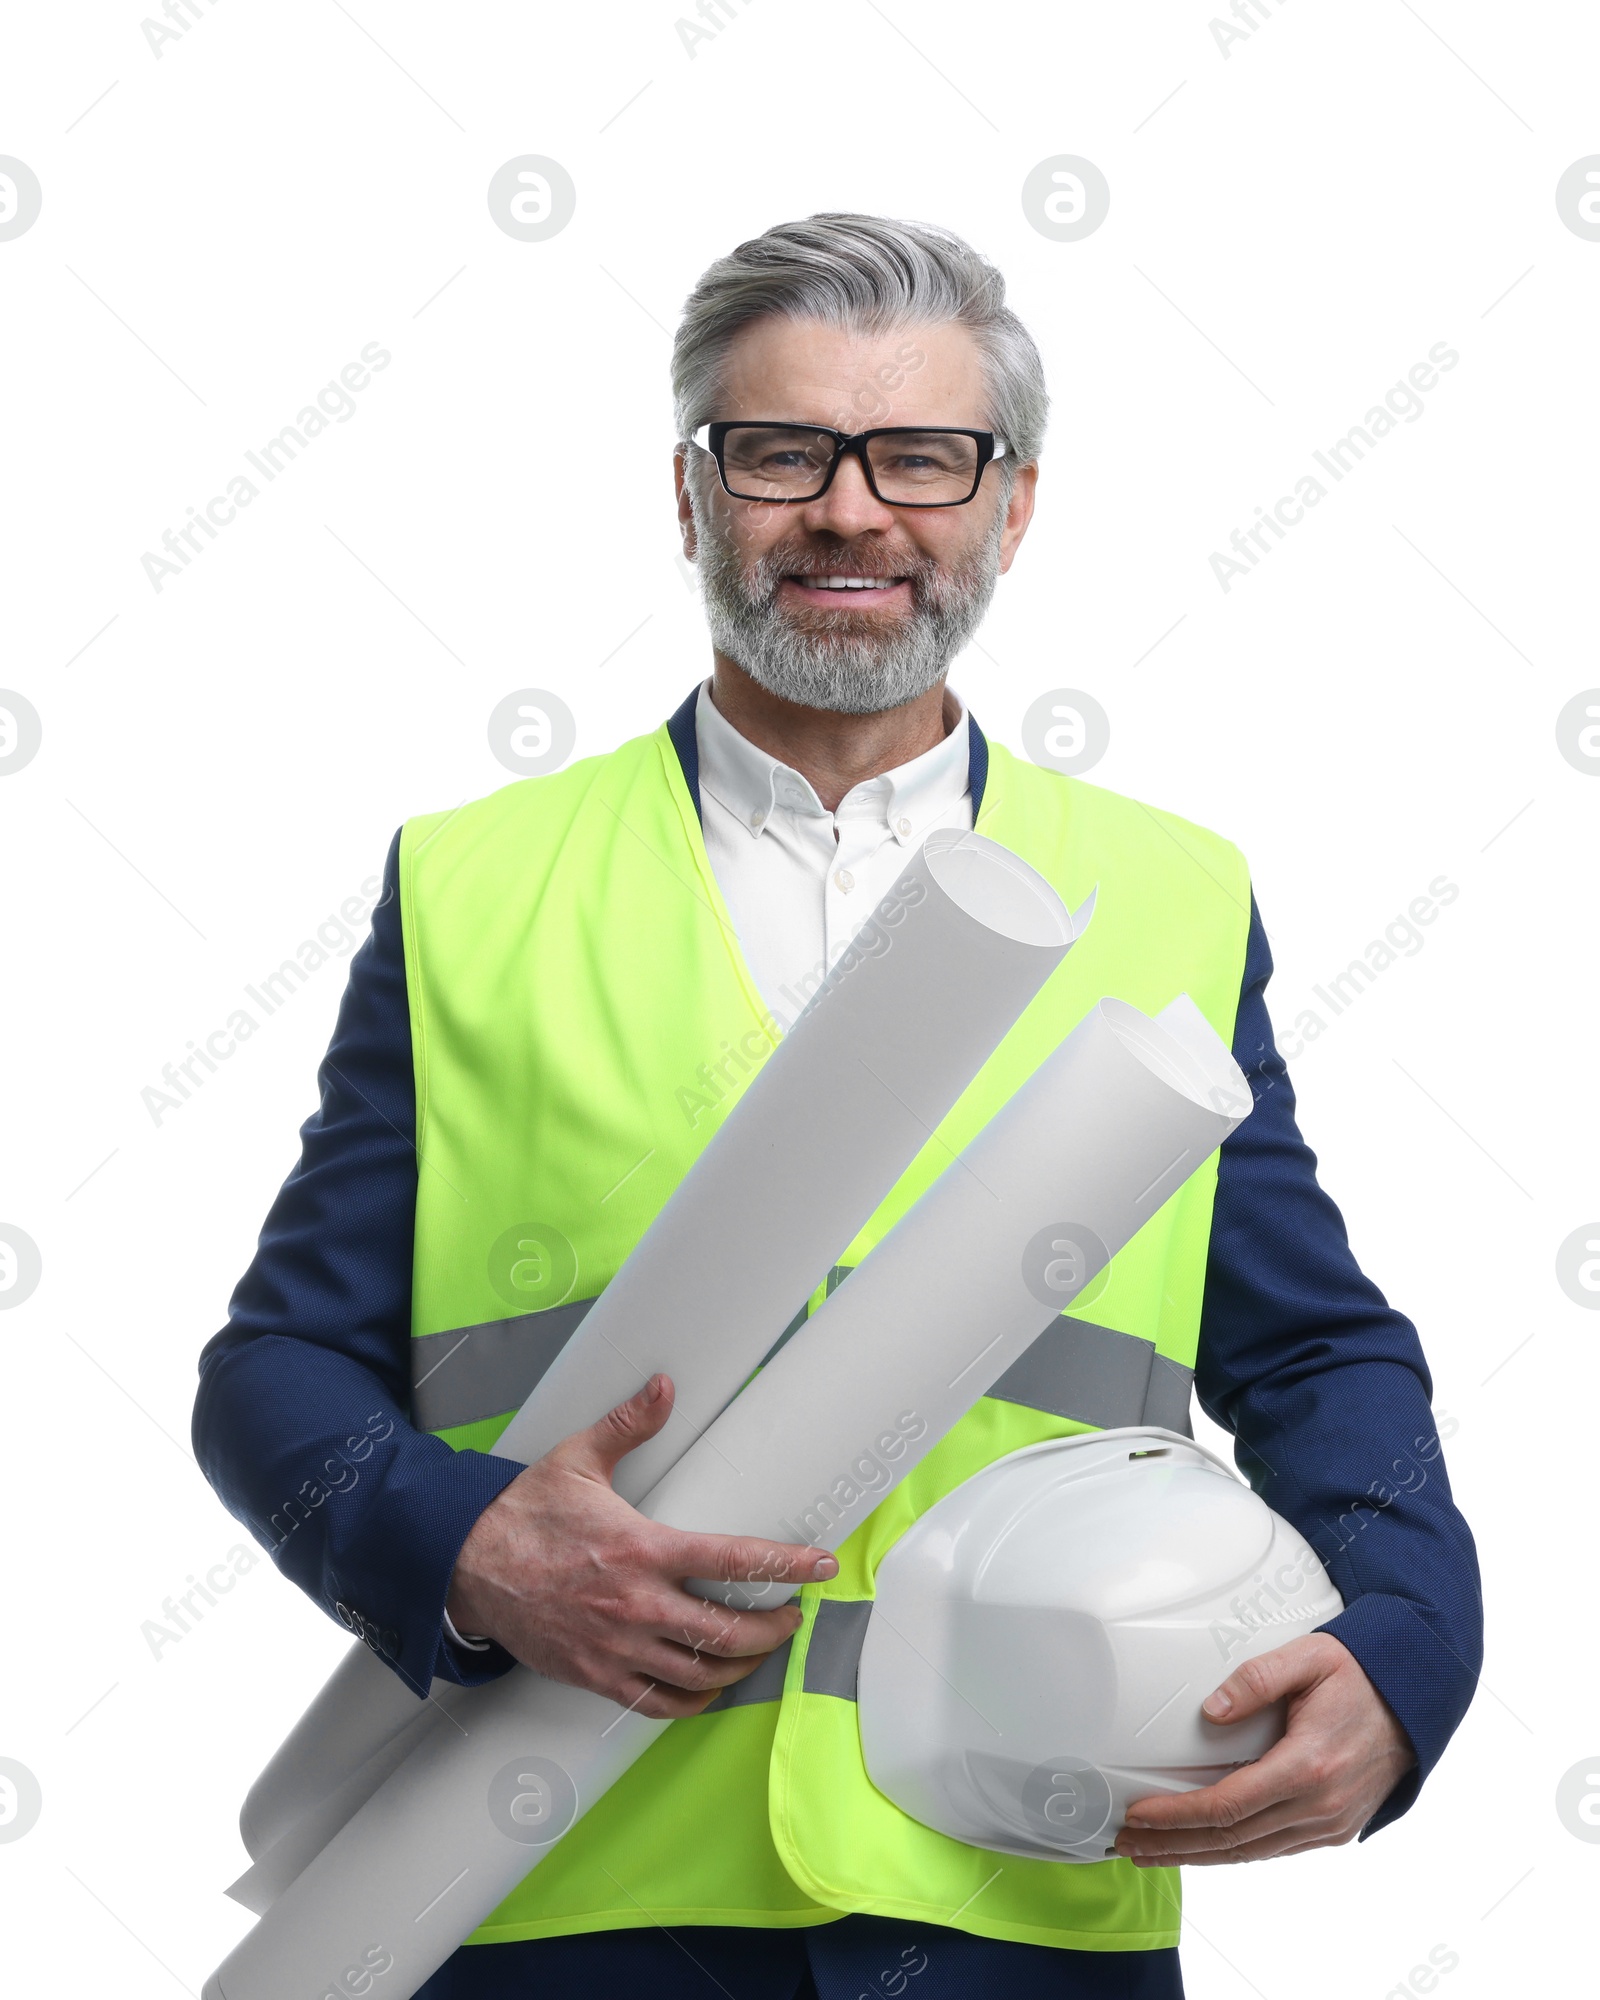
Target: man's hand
[576,1584]
[1341,1756]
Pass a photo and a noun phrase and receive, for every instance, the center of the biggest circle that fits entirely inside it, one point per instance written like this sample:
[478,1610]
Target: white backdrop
[1298,214]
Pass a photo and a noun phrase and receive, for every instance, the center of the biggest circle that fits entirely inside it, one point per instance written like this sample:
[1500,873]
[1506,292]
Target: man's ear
[1019,512]
[680,483]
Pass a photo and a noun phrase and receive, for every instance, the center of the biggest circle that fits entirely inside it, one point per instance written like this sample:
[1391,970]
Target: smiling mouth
[842,585]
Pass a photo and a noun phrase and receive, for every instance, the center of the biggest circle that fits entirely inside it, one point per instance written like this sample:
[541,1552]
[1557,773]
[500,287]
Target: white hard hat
[1043,1637]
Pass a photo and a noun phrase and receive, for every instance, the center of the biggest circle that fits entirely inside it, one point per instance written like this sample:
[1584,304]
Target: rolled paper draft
[1109,1125]
[916,1005]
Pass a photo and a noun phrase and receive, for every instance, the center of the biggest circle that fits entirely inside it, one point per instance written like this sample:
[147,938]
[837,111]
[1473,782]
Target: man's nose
[849,507]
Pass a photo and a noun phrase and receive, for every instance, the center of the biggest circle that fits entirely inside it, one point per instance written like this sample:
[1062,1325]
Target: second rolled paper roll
[1108,1126]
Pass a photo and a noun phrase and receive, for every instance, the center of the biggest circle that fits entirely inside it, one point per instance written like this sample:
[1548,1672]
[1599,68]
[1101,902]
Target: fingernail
[1131,1820]
[825,1567]
[1217,1705]
[652,1389]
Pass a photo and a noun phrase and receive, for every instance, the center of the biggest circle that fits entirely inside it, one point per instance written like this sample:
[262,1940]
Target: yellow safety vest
[574,981]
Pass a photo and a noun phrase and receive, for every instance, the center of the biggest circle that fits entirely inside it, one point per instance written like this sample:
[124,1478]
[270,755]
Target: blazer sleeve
[302,1422]
[1326,1391]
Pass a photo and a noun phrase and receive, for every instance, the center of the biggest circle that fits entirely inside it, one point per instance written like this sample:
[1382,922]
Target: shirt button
[902,827]
[844,879]
[757,818]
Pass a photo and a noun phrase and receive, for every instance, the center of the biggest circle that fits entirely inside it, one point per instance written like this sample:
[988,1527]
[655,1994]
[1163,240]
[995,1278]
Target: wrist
[467,1613]
[465,1608]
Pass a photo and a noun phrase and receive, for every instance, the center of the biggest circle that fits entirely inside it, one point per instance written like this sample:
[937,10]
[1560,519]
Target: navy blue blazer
[304,1395]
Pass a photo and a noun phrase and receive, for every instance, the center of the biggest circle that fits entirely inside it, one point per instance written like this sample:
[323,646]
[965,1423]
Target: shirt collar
[753,786]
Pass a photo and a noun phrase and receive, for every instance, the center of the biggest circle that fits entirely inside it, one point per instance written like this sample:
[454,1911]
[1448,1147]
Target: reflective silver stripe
[765,1684]
[1074,1369]
[834,1653]
[473,1372]
[1166,1401]
[1096,1375]
[837,1636]
[1090,1373]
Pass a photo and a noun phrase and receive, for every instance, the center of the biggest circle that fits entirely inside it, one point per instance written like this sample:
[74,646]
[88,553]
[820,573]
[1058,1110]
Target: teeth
[849,582]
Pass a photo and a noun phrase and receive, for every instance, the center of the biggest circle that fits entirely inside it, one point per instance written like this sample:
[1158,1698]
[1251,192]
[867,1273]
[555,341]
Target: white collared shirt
[800,881]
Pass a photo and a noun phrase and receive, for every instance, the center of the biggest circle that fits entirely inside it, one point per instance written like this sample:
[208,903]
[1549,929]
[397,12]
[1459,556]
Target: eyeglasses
[905,466]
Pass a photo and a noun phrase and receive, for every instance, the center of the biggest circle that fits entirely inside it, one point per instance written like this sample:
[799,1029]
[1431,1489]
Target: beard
[850,662]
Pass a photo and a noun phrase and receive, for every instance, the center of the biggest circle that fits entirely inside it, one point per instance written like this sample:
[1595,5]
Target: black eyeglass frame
[711,437]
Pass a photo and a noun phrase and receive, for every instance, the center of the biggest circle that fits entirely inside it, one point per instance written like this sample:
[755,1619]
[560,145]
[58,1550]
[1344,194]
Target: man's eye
[917,464]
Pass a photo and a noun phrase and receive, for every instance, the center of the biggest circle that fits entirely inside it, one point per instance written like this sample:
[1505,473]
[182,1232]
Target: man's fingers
[730,1635]
[599,1449]
[743,1559]
[672,1680]
[1266,1849]
[1295,1836]
[1183,1843]
[1260,1682]
[659,1700]
[1226,1804]
[693,1668]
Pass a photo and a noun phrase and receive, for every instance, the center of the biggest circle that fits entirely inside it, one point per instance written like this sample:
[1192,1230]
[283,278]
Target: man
[860,420]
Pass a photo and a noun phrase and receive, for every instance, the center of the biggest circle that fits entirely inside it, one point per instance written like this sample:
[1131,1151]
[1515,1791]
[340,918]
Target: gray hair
[861,273]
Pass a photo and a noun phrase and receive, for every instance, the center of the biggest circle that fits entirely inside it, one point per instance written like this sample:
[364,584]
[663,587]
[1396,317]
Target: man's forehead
[811,372]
